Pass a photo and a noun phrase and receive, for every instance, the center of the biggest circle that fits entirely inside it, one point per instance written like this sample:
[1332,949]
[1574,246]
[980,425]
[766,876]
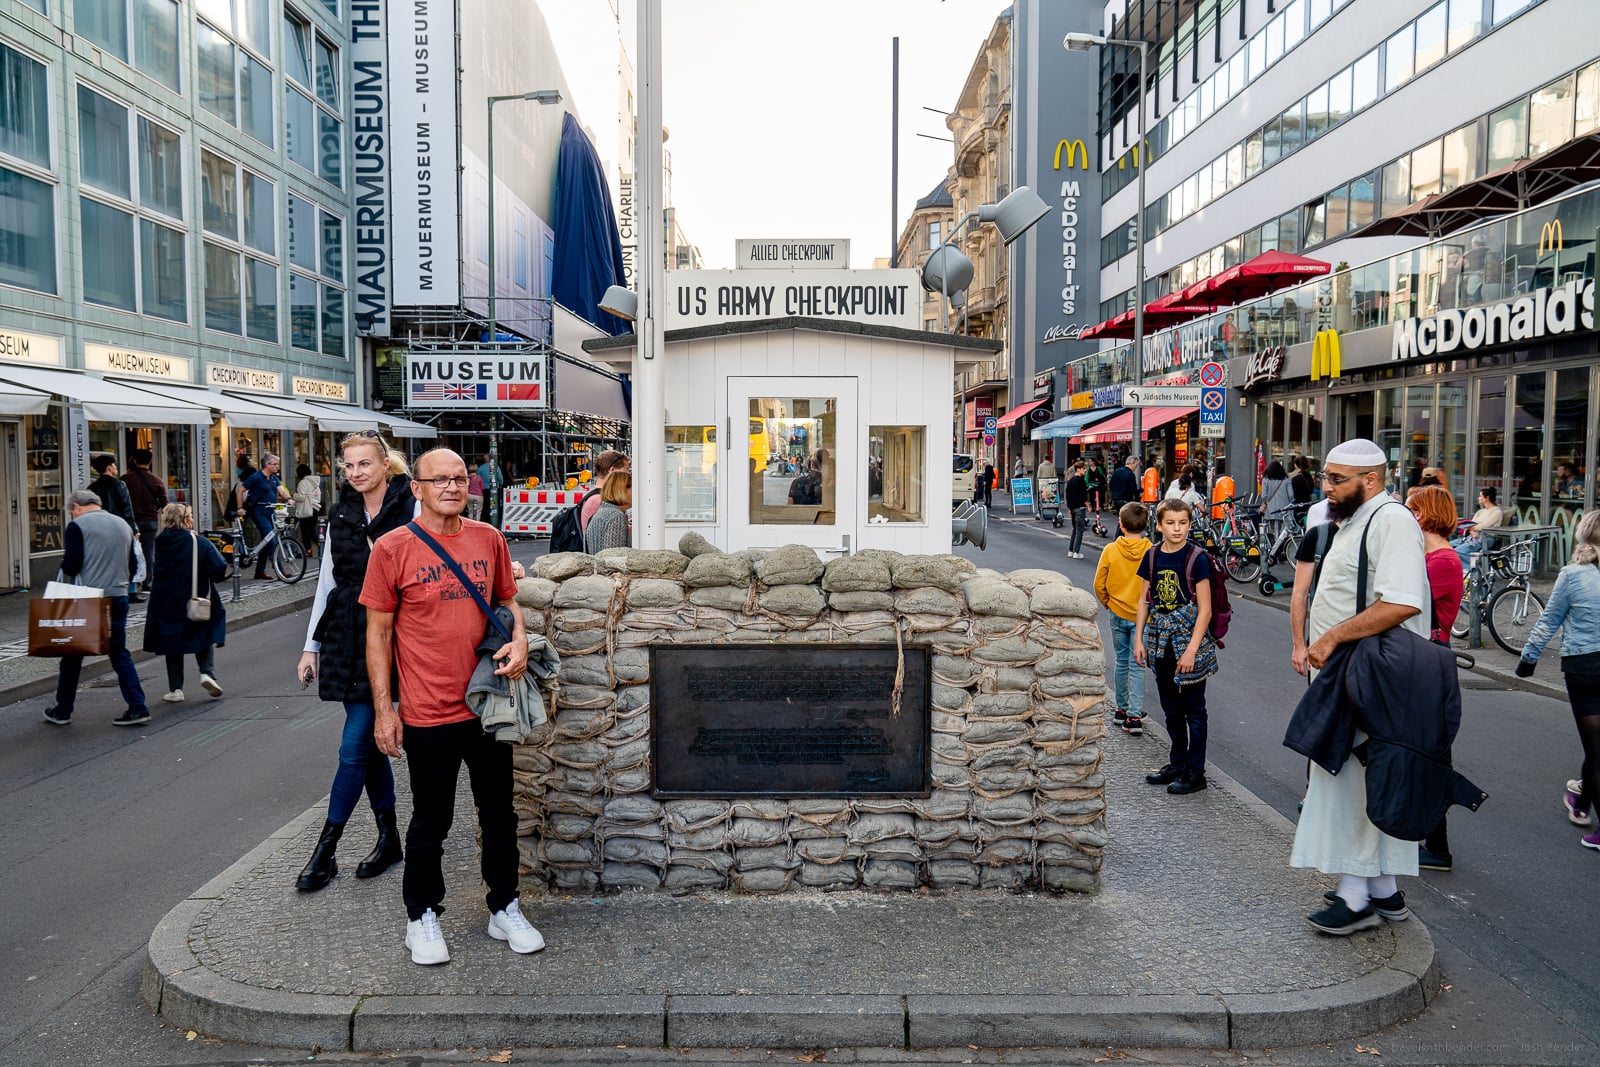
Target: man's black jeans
[434,755]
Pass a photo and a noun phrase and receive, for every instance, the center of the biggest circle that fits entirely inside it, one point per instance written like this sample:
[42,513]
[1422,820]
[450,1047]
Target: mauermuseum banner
[875,297]
[369,103]
[425,157]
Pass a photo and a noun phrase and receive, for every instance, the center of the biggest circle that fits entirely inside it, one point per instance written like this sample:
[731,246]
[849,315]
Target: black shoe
[321,868]
[1392,908]
[1166,774]
[54,717]
[1191,782]
[386,853]
[1119,716]
[132,718]
[1337,918]
[1133,726]
[1430,862]
[136,598]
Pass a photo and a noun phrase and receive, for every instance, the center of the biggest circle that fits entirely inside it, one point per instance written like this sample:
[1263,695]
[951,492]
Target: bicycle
[1234,541]
[287,555]
[1284,547]
[1497,586]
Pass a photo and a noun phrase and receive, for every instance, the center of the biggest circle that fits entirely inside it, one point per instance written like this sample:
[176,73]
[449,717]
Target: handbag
[69,626]
[199,607]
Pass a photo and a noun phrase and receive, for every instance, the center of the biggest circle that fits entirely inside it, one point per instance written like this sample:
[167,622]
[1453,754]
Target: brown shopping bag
[69,627]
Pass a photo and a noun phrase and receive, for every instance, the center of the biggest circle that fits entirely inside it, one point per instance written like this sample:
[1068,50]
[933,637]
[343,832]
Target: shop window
[691,474]
[1490,472]
[103,143]
[1550,116]
[1387,424]
[793,451]
[896,456]
[1450,438]
[47,504]
[1569,444]
[162,280]
[1527,447]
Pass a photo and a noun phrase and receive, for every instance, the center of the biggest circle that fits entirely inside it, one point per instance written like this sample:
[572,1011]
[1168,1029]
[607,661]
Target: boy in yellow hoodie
[1117,585]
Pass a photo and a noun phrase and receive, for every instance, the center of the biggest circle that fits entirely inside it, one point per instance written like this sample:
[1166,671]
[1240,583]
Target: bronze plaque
[789,720]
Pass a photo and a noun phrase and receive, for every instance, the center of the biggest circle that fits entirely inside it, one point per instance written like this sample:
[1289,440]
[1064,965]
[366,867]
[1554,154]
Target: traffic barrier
[533,511]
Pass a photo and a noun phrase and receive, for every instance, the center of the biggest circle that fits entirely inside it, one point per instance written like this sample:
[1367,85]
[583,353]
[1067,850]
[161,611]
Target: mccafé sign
[1546,313]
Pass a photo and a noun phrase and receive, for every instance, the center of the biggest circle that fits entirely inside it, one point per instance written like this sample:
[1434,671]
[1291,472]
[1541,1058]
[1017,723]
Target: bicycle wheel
[1462,627]
[1513,613]
[289,560]
[1240,565]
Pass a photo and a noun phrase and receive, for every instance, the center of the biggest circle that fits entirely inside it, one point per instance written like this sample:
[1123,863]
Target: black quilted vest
[342,665]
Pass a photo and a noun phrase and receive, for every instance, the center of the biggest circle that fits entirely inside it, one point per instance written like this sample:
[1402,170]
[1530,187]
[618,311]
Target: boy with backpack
[1173,637]
[1116,585]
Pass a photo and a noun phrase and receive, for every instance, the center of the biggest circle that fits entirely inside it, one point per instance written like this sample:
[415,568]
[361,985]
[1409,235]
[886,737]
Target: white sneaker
[209,684]
[426,940]
[511,927]
[174,697]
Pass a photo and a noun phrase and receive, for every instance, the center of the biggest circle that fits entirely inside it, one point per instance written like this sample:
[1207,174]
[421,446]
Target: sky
[779,113]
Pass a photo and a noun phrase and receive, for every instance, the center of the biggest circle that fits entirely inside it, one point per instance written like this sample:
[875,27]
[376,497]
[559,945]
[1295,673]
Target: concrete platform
[1198,939]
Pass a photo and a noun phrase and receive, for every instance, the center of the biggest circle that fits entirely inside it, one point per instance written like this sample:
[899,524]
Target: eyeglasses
[374,434]
[1339,479]
[458,482]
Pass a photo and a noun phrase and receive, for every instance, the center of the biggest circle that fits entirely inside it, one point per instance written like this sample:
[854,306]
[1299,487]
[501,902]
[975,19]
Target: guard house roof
[967,349]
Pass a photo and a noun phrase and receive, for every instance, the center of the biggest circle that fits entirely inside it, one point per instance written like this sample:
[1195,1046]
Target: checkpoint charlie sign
[876,297]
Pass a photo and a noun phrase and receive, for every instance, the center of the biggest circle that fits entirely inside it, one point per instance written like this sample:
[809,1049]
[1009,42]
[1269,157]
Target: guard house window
[691,474]
[792,445]
[27,186]
[136,262]
[895,461]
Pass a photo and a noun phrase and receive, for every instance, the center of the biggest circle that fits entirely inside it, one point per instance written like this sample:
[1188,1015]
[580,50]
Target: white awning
[406,427]
[108,401]
[332,418]
[239,411]
[20,400]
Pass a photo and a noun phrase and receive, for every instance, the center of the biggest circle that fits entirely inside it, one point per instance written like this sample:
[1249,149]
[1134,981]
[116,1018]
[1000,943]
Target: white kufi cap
[1357,453]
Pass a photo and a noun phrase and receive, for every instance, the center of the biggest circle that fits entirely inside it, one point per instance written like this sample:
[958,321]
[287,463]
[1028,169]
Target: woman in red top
[1435,510]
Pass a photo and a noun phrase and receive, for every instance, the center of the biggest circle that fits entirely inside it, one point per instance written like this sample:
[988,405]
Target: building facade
[1340,131]
[176,226]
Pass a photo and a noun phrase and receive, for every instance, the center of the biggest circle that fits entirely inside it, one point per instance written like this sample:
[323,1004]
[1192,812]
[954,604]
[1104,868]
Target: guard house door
[793,466]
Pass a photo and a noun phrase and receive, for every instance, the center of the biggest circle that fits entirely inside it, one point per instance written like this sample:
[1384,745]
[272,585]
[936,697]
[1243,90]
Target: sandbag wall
[1018,688]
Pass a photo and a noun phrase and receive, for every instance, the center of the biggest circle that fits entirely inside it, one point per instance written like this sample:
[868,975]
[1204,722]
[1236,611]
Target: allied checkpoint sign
[451,381]
[874,297]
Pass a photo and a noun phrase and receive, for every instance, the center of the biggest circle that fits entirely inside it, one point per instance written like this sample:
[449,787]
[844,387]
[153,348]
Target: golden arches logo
[1074,150]
[1325,355]
[1551,238]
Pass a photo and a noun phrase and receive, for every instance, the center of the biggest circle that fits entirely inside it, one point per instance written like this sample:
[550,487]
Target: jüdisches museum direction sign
[1535,316]
[875,297]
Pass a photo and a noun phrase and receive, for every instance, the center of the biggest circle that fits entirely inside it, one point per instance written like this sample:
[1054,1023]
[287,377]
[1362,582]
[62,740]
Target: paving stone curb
[180,989]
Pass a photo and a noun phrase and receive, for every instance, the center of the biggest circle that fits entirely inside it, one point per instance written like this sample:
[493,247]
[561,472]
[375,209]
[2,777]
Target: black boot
[386,853]
[322,866]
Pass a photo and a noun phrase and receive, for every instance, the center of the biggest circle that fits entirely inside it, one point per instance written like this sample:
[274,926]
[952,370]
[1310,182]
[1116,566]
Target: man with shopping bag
[98,545]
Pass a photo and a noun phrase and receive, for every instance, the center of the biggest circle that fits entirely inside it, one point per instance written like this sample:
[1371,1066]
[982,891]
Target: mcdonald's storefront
[1499,396]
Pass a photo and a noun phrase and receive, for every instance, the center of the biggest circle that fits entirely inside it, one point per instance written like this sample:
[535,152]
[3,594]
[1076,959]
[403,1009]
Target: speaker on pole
[970,524]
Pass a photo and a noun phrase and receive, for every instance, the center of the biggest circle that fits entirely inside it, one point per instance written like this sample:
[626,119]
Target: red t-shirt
[437,624]
[1448,584]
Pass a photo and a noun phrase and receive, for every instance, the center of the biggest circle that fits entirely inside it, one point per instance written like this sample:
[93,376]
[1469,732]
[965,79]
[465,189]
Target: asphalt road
[1513,920]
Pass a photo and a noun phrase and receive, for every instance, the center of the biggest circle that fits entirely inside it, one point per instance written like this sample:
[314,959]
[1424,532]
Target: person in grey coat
[609,527]
[98,546]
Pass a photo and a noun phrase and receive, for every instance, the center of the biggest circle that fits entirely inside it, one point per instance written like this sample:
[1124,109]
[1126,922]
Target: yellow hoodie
[1116,579]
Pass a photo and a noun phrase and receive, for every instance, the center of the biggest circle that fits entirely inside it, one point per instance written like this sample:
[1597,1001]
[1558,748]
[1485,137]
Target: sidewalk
[1197,940]
[22,677]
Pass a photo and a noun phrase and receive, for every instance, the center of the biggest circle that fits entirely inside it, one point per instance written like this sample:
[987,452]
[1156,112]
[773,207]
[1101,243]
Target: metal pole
[1138,262]
[894,163]
[492,329]
[494,420]
[649,369]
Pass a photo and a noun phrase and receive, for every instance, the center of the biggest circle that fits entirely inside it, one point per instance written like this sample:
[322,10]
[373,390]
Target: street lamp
[947,270]
[621,302]
[541,96]
[1082,42]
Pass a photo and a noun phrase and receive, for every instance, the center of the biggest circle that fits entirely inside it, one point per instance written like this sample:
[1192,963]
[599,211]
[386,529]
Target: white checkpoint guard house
[822,432]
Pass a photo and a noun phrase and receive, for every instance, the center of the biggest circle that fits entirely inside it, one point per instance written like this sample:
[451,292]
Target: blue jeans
[262,517]
[121,662]
[1465,547]
[361,765]
[1080,522]
[1129,676]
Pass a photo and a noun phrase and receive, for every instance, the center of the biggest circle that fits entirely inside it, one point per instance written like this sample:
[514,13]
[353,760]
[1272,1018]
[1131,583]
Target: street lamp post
[1082,42]
[543,96]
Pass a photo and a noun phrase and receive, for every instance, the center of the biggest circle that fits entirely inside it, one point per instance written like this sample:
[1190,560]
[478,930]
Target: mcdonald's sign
[1325,355]
[1551,239]
[1074,150]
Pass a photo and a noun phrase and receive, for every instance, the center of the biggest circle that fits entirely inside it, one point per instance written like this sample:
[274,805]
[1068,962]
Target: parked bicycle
[1284,546]
[1497,585]
[285,555]
[1234,541]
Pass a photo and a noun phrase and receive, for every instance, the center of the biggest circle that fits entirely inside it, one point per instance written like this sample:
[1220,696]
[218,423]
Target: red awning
[1266,273]
[1021,411]
[1116,326]
[1121,427]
